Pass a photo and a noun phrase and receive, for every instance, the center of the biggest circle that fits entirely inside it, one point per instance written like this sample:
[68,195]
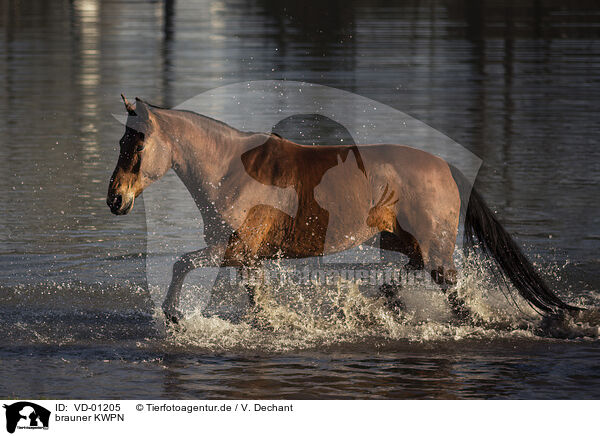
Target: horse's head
[143,158]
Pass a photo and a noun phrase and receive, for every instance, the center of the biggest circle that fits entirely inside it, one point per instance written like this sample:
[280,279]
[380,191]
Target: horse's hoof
[173,316]
[172,319]
[462,314]
[392,301]
[397,306]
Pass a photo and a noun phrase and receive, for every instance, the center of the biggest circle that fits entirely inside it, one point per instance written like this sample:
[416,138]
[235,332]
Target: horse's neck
[203,151]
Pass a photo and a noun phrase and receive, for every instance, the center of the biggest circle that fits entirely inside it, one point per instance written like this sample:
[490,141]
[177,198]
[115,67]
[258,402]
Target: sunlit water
[78,318]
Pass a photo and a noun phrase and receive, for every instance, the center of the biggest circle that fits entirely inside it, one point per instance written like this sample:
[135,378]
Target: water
[516,85]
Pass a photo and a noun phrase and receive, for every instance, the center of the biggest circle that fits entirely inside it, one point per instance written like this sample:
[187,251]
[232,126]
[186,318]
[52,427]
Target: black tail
[482,226]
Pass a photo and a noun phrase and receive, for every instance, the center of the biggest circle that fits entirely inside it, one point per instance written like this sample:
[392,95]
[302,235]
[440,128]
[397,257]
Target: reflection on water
[463,371]
[515,83]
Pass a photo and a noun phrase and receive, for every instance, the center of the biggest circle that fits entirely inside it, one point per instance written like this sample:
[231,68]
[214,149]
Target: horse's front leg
[253,276]
[207,257]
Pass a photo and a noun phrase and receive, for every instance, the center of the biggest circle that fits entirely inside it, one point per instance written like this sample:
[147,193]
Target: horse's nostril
[117,200]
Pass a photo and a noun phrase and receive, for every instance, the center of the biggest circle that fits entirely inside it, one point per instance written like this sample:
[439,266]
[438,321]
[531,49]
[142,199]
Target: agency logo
[26,415]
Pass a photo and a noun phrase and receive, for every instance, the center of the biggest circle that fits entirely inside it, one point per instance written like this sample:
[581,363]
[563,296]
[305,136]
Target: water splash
[340,315]
[295,318]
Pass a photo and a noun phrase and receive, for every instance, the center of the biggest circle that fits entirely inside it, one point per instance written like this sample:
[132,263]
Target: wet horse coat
[262,196]
[331,218]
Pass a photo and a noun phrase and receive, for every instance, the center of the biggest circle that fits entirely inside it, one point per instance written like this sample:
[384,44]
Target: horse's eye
[140,147]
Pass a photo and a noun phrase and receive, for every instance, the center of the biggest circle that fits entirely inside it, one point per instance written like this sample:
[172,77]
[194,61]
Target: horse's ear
[142,109]
[128,106]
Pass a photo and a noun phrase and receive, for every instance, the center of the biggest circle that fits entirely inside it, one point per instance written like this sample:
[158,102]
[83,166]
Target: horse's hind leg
[445,277]
[443,273]
[208,256]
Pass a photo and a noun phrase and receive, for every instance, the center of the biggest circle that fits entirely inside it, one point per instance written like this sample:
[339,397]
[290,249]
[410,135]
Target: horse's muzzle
[116,204]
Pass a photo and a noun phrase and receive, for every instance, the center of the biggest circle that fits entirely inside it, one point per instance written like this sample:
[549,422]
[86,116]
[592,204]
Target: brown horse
[263,196]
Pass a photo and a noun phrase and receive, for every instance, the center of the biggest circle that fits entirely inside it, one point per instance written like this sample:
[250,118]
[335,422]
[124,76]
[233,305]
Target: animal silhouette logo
[24,414]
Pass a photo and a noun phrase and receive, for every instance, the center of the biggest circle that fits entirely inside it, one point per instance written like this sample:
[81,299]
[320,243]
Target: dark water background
[517,83]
